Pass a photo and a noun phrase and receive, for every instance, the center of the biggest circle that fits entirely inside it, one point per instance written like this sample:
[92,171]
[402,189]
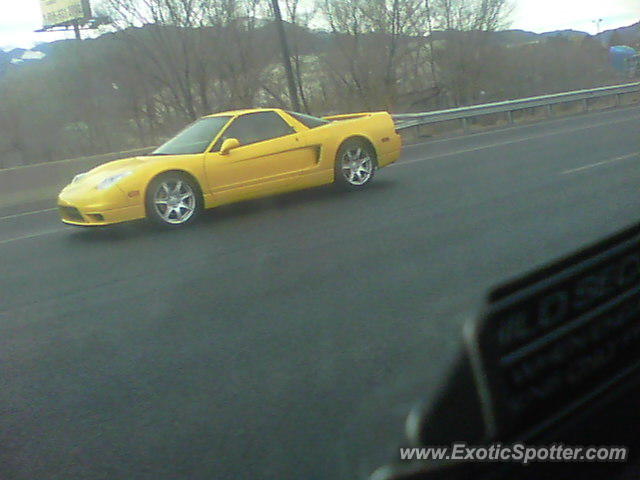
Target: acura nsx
[230,157]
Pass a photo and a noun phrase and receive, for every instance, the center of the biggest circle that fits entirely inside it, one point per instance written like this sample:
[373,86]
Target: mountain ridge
[629,34]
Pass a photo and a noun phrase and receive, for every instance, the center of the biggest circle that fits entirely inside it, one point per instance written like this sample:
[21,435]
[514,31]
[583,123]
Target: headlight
[112,180]
[78,177]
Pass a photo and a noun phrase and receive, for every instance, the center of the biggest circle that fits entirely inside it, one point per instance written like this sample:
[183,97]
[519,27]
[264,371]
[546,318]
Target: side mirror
[228,145]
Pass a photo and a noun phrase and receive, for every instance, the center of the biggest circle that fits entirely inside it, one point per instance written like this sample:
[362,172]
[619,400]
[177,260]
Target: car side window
[308,121]
[256,127]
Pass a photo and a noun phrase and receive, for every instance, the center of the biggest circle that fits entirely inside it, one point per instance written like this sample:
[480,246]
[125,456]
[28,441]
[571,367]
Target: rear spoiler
[347,116]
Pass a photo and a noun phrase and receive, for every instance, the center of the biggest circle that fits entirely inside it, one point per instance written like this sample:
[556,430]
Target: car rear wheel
[173,200]
[355,164]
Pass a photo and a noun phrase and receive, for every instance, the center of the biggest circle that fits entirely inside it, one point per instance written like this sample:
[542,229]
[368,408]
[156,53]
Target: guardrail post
[510,117]
[467,114]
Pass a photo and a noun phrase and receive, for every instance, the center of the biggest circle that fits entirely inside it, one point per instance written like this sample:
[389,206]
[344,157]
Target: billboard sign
[64,12]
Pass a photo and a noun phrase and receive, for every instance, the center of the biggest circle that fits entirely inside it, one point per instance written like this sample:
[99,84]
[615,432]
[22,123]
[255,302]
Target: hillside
[309,40]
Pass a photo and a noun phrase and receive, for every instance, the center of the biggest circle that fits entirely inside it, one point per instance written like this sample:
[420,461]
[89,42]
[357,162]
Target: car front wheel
[173,200]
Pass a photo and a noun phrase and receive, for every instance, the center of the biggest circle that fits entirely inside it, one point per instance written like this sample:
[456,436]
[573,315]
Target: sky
[20,18]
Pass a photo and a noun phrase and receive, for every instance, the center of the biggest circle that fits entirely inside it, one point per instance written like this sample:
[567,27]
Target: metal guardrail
[408,120]
[41,181]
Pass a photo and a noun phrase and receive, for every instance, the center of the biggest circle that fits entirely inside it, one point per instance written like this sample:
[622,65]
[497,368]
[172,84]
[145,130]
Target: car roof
[241,112]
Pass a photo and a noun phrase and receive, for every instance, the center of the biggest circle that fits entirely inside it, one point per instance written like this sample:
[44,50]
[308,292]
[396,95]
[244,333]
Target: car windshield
[193,139]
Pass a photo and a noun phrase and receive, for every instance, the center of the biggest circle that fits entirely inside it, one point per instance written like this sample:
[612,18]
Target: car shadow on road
[113,233]
[144,229]
[287,201]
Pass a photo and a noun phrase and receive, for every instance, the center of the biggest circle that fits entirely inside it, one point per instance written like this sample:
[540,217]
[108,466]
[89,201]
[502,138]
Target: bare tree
[464,54]
[370,41]
[169,61]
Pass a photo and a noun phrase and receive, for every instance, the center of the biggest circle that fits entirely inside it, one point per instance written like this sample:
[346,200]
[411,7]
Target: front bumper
[72,215]
[77,207]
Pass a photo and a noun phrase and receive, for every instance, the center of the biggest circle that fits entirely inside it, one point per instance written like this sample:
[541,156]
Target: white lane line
[406,162]
[507,142]
[16,215]
[572,170]
[597,164]
[33,235]
[466,150]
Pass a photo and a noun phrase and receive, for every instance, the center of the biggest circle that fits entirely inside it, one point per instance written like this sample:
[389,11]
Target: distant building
[624,59]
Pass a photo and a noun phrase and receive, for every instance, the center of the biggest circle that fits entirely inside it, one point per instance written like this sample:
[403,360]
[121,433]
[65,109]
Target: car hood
[94,176]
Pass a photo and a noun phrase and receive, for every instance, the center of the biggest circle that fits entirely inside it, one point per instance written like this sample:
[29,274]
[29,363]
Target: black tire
[354,152]
[181,195]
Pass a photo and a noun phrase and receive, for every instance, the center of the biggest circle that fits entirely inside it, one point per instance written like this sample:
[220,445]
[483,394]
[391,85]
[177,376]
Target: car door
[270,152]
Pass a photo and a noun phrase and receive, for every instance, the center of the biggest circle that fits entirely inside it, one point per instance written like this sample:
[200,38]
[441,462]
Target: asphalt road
[284,338]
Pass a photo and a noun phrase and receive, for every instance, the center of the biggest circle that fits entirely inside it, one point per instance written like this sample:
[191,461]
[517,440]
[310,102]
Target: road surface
[284,338]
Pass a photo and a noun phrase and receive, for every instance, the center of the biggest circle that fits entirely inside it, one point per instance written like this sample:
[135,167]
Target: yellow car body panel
[300,160]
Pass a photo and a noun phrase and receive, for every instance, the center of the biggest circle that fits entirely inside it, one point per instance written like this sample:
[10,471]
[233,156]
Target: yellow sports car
[230,157]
